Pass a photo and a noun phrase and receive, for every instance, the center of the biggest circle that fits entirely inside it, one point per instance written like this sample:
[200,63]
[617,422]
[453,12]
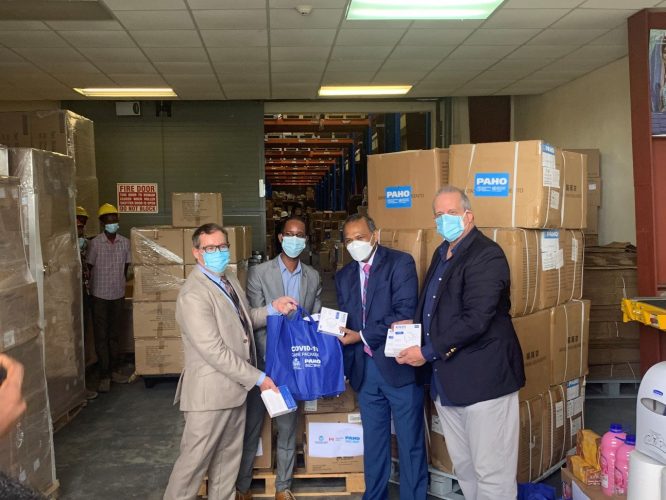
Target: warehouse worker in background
[108,259]
[469,340]
[283,275]
[220,368]
[377,290]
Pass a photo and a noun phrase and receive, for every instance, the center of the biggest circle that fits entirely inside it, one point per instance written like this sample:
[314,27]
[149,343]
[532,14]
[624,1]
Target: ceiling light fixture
[364,10]
[364,90]
[127,92]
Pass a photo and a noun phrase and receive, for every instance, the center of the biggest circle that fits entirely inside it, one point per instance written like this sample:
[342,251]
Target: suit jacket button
[244,341]
[248,360]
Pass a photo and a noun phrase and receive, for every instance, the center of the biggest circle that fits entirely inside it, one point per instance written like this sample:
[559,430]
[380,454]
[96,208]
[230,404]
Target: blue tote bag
[307,362]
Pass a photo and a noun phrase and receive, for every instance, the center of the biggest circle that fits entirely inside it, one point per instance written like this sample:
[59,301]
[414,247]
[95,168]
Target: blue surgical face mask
[217,261]
[82,243]
[293,245]
[450,227]
[112,228]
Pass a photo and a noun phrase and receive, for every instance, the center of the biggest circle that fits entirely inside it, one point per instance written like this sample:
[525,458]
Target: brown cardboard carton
[158,356]
[560,267]
[401,187]
[593,161]
[575,399]
[592,221]
[591,492]
[530,444]
[569,340]
[534,336]
[195,209]
[344,403]
[247,242]
[157,283]
[155,320]
[188,257]
[587,447]
[608,330]
[264,457]
[510,184]
[236,240]
[15,129]
[317,439]
[522,250]
[439,454]
[410,241]
[608,286]
[19,315]
[594,192]
[614,352]
[574,204]
[574,249]
[157,245]
[563,418]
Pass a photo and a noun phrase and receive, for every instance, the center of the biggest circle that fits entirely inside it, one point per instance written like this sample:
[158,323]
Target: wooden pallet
[68,416]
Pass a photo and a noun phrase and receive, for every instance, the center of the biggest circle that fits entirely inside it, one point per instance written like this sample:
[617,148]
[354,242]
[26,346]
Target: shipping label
[551,177]
[491,184]
[550,241]
[574,249]
[555,200]
[547,155]
[398,196]
[573,389]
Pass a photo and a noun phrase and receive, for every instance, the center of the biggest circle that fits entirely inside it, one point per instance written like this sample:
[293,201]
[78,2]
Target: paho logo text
[491,184]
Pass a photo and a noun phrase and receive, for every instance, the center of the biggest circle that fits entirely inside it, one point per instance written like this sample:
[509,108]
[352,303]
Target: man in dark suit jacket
[377,290]
[476,359]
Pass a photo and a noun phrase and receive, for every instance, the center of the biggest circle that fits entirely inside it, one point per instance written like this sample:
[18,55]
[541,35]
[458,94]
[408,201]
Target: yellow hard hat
[105,209]
[81,212]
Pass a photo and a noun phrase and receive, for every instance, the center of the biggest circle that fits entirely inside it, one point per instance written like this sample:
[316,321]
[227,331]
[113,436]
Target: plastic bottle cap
[616,428]
[630,440]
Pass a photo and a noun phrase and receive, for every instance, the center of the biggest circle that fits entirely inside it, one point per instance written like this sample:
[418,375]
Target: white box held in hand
[331,320]
[279,403]
[402,337]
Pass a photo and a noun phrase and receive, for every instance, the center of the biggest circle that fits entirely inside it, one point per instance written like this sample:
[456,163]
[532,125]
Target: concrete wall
[591,112]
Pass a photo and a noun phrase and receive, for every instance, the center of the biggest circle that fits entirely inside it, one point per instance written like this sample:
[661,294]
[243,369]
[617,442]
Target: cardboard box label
[398,196]
[574,249]
[554,200]
[331,440]
[547,155]
[551,176]
[491,184]
[573,389]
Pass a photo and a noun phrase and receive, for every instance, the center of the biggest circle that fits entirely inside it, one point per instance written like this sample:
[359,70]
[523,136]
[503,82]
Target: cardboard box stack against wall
[162,260]
[532,199]
[26,452]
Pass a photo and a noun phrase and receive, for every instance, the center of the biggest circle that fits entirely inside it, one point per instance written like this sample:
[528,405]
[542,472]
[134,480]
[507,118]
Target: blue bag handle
[300,313]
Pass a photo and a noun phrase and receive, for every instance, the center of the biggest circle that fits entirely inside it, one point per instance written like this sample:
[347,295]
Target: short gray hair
[357,217]
[209,228]
[448,188]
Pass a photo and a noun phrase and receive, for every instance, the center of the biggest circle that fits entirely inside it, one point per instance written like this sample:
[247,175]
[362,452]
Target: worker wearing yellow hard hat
[106,209]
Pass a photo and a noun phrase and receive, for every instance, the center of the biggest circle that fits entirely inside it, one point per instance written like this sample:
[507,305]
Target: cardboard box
[593,160]
[614,352]
[593,192]
[410,241]
[587,447]
[247,242]
[264,457]
[608,286]
[439,454]
[339,428]
[344,403]
[574,489]
[609,330]
[401,187]
[574,204]
[19,315]
[534,338]
[158,356]
[195,209]
[157,245]
[560,267]
[592,220]
[157,283]
[15,129]
[155,320]
[563,418]
[569,340]
[574,251]
[530,440]
[511,184]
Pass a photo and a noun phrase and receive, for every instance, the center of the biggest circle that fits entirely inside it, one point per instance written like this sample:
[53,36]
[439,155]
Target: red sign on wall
[137,198]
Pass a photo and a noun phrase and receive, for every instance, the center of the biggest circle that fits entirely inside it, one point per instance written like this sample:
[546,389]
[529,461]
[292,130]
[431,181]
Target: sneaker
[285,495]
[119,378]
[243,496]
[90,395]
[104,385]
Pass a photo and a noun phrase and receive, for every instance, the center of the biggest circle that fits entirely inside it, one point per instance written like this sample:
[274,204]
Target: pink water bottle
[610,442]
[622,464]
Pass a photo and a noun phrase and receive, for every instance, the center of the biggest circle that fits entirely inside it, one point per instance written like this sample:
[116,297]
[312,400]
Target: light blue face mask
[112,228]
[450,227]
[216,262]
[293,245]
[82,243]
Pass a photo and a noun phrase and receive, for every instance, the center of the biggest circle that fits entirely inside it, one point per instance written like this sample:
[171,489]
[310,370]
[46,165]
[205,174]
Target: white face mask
[360,250]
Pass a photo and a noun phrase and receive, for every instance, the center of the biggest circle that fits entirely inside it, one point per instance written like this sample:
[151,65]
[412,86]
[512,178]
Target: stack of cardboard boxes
[531,198]
[26,452]
[593,194]
[48,210]
[162,258]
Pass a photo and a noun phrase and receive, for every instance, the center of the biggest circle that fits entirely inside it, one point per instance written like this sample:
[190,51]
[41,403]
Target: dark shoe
[104,385]
[119,378]
[90,395]
[285,495]
[243,496]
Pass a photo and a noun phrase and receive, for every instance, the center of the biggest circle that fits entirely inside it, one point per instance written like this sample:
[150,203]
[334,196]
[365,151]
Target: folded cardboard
[534,337]
[264,456]
[157,245]
[530,445]
[157,283]
[614,352]
[587,446]
[401,187]
[195,209]
[334,443]
[158,356]
[586,473]
[593,160]
[344,403]
[608,330]
[569,339]
[608,286]
[155,320]
[593,192]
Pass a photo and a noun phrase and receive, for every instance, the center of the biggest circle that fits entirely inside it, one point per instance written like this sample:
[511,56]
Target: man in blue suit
[472,347]
[377,290]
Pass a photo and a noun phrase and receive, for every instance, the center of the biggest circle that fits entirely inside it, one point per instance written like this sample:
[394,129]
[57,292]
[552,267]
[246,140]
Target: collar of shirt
[214,277]
[284,269]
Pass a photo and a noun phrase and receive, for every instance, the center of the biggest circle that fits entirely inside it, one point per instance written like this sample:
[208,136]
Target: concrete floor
[124,444]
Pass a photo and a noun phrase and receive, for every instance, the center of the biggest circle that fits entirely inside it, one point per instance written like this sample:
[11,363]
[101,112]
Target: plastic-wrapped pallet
[47,185]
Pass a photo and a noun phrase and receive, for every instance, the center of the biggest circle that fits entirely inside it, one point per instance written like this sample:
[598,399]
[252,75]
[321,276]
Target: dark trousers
[106,324]
[378,400]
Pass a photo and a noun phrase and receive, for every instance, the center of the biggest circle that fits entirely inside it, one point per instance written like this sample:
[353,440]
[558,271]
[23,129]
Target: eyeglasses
[298,235]
[215,248]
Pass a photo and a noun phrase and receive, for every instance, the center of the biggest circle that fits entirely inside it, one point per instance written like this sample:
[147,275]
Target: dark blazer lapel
[459,256]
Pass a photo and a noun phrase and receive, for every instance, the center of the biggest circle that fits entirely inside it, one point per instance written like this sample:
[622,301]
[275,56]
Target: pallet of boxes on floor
[26,452]
[163,259]
[536,210]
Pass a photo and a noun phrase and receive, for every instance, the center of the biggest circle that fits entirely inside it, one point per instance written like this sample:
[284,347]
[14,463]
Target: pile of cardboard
[47,184]
[593,194]
[26,452]
[162,258]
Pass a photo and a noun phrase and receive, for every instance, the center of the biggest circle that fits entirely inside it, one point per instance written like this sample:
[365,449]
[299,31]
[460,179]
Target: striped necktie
[241,315]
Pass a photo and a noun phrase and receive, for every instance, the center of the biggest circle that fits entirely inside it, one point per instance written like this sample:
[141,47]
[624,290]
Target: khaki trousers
[212,443]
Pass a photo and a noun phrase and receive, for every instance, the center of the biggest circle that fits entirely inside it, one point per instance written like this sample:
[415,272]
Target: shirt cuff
[262,377]
[363,338]
[271,310]
[428,353]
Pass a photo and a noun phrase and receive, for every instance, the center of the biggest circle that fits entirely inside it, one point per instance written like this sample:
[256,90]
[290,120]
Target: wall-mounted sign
[137,198]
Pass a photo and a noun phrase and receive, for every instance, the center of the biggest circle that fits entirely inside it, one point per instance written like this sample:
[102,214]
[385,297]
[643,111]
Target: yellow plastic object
[650,311]
[81,212]
[105,209]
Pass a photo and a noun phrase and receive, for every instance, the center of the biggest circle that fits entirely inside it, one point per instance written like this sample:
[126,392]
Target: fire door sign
[137,198]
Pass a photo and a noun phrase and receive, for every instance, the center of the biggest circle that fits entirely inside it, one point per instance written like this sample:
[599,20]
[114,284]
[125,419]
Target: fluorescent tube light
[127,92]
[364,90]
[364,10]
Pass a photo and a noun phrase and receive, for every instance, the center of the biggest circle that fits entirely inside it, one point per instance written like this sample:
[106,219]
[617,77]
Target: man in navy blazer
[377,290]
[469,340]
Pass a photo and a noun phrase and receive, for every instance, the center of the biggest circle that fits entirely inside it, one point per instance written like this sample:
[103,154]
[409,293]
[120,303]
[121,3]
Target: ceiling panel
[79,67]
[235,38]
[132,80]
[618,36]
[126,68]
[236,78]
[114,55]
[294,91]
[308,77]
[415,65]
[29,39]
[541,4]
[98,38]
[22,25]
[7,55]
[254,54]
[464,64]
[501,36]
[227,4]
[435,37]
[156,20]
[619,4]
[316,4]
[297,38]
[167,38]
[481,51]
[176,54]
[299,53]
[184,68]
[351,52]
[362,38]
[392,77]
[246,92]
[145,4]
[85,25]
[84,80]
[593,19]
[354,65]
[566,36]
[55,54]
[348,77]
[230,19]
[319,18]
[541,52]
[239,67]
[298,66]
[524,18]
[422,52]
[606,52]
